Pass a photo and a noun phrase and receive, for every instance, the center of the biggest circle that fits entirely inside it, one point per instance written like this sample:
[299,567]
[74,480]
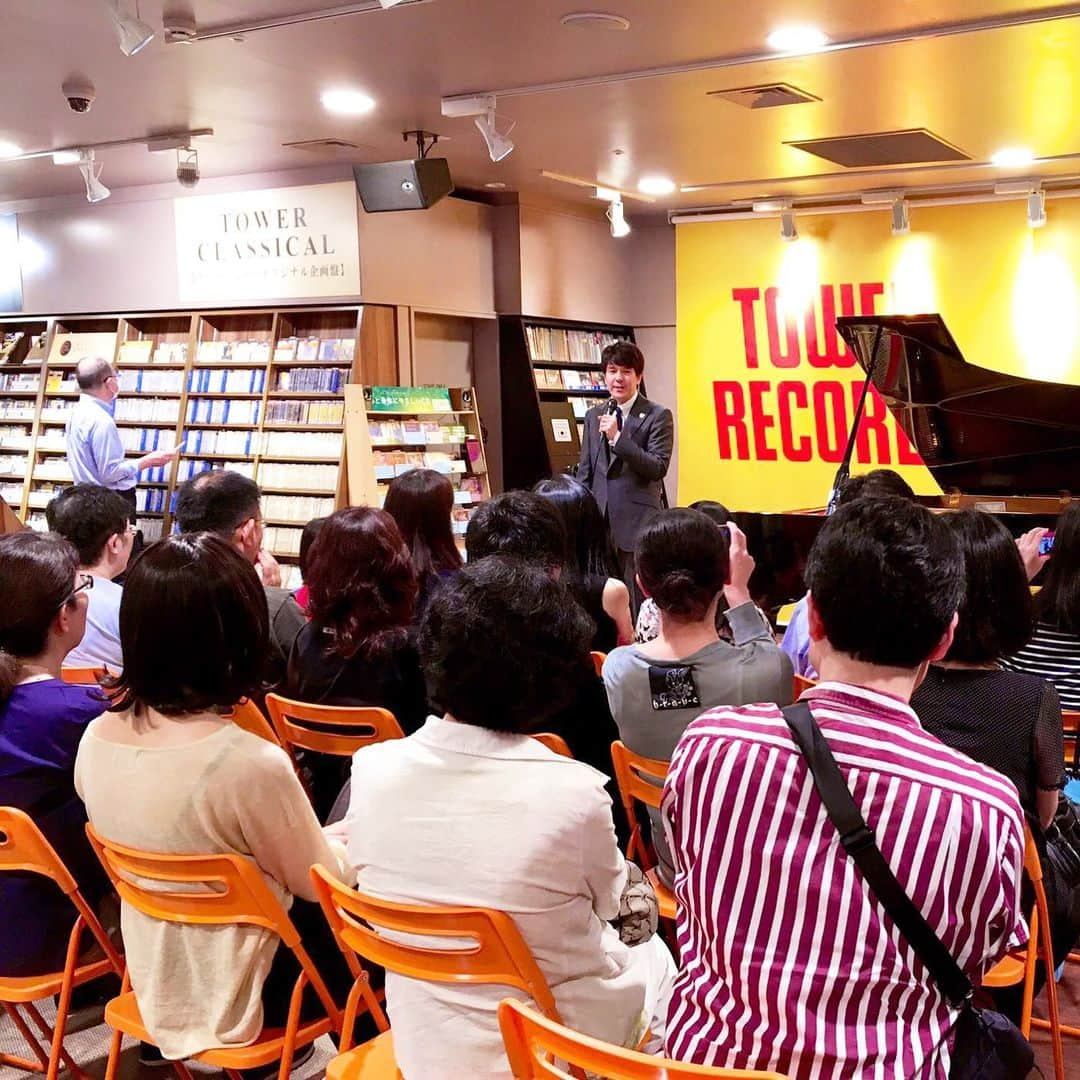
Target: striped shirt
[788,963]
[1053,655]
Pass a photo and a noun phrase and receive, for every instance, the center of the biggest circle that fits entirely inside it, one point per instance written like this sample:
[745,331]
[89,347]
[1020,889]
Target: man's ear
[814,625]
[945,644]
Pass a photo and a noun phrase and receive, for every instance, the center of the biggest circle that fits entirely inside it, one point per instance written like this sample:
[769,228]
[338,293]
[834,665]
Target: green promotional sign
[410,399]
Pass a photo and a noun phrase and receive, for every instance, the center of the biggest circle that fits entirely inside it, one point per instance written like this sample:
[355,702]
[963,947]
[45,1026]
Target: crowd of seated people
[918,625]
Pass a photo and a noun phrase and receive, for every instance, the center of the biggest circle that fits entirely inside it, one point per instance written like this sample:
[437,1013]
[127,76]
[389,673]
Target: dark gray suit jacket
[627,478]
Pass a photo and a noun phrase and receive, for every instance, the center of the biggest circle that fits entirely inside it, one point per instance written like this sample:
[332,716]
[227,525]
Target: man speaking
[95,454]
[626,452]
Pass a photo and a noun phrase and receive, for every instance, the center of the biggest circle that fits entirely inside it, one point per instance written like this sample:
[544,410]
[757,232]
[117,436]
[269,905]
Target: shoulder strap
[858,841]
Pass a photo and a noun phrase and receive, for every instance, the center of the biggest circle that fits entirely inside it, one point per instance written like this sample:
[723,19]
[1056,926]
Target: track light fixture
[96,191]
[1036,208]
[187,166]
[901,218]
[499,144]
[620,227]
[132,33]
[788,231]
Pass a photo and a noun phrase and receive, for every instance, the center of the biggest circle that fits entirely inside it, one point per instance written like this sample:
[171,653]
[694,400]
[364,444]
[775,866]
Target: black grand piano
[999,443]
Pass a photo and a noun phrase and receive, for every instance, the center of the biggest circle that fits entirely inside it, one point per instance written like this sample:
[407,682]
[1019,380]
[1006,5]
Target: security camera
[187,167]
[80,95]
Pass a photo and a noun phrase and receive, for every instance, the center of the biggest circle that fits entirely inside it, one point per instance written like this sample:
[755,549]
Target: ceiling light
[1012,157]
[187,167]
[620,227]
[9,149]
[901,218]
[66,157]
[595,20]
[656,185]
[1036,209]
[788,231]
[132,33]
[95,189]
[347,102]
[499,144]
[797,39]
[496,185]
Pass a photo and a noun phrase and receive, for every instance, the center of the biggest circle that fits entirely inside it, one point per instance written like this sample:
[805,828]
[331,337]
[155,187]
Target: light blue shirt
[101,642]
[796,641]
[94,452]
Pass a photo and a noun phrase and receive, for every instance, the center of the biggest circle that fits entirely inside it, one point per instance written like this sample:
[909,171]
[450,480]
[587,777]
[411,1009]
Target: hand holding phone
[1046,543]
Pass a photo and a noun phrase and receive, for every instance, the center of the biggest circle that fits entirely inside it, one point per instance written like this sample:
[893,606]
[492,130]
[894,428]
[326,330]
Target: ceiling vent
[913,147]
[767,96]
[326,145]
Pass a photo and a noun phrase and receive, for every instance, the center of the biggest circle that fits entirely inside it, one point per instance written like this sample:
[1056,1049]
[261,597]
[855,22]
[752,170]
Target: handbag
[986,1044]
[1063,843]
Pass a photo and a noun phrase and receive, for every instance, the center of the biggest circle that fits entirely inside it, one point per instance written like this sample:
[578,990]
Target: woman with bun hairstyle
[685,563]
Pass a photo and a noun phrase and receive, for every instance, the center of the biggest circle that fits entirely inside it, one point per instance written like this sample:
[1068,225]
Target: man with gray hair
[95,454]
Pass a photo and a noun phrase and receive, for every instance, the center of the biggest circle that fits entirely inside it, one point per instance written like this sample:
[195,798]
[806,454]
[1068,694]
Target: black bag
[987,1045]
[1063,844]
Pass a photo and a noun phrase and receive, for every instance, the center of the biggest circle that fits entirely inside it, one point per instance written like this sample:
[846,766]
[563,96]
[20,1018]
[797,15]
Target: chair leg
[112,1065]
[40,1024]
[59,1026]
[30,1040]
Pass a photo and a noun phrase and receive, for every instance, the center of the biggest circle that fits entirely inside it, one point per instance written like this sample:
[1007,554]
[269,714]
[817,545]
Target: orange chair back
[598,659]
[532,1040]
[554,742]
[800,684]
[330,729]
[83,676]
[247,715]
[640,779]
[496,952]
[1070,722]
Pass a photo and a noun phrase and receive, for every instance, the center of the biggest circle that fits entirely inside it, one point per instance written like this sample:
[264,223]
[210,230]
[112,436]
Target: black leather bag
[986,1045]
[1063,843]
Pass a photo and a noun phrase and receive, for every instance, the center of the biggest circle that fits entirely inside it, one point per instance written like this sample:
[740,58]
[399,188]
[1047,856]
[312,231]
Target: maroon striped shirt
[788,963]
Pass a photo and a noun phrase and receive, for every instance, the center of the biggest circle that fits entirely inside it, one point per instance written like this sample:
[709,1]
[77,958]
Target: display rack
[390,430]
[551,376]
[260,391]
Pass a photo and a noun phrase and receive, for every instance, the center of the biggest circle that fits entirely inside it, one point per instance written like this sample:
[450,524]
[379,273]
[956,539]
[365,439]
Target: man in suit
[626,452]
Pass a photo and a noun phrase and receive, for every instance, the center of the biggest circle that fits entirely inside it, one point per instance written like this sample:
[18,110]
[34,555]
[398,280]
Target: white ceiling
[978,91]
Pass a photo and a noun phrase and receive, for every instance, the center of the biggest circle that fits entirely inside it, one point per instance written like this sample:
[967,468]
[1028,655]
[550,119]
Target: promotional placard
[410,399]
[284,243]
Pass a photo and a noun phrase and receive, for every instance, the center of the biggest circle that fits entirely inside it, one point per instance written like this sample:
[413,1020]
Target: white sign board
[560,430]
[284,243]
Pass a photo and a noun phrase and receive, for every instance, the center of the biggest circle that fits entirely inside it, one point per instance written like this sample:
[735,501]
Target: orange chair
[240,895]
[598,659]
[247,715]
[497,956]
[532,1040]
[554,742]
[641,779]
[84,676]
[24,849]
[329,729]
[1070,722]
[800,684]
[1020,967]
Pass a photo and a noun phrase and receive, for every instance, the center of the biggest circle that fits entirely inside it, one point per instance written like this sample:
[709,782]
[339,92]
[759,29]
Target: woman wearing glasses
[42,719]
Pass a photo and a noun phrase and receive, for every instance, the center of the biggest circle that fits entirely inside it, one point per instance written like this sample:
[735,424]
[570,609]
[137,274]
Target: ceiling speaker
[403,185]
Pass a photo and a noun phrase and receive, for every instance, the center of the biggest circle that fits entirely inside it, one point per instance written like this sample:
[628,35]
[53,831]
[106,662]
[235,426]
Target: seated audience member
[421,502]
[876,484]
[1053,652]
[42,720]
[1009,720]
[227,504]
[591,571]
[656,689]
[98,522]
[357,649]
[307,538]
[165,771]
[788,962]
[522,525]
[517,827]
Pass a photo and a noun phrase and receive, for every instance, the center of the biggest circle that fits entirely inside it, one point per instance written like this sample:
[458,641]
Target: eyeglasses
[86,583]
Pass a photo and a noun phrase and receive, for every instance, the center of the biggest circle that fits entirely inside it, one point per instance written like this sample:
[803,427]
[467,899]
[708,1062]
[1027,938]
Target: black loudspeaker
[403,185]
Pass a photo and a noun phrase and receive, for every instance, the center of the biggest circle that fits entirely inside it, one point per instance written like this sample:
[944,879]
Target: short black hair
[307,538]
[995,616]
[682,560]
[194,628]
[1058,602]
[589,550]
[876,484]
[88,515]
[886,577]
[218,501]
[519,524]
[91,372]
[623,354]
[473,618]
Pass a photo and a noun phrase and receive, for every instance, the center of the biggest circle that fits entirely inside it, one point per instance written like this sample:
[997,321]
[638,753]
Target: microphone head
[611,406]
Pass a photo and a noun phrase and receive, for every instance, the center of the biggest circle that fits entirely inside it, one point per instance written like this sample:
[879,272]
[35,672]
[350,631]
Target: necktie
[618,417]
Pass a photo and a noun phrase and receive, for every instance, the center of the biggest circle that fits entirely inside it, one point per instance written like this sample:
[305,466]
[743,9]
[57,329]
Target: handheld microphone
[611,407]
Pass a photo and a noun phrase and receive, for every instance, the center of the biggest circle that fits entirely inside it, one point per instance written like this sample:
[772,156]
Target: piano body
[1000,443]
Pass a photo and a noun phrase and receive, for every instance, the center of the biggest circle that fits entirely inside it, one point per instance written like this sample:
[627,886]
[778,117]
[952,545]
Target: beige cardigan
[200,986]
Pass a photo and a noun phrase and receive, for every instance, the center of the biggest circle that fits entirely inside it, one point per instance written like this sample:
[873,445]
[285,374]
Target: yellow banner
[766,388]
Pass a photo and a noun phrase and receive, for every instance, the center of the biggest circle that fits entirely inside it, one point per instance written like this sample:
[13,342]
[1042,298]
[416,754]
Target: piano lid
[979,431]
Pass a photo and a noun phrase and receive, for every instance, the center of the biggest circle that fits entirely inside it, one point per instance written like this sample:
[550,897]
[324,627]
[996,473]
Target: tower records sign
[283,243]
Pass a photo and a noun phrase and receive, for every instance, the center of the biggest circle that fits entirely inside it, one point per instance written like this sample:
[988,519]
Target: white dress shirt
[625,408]
[95,454]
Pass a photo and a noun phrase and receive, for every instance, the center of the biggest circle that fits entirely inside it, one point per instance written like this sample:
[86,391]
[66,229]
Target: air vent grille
[912,147]
[766,96]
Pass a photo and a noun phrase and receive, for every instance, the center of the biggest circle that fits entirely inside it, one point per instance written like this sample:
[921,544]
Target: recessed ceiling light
[9,149]
[1012,157]
[656,185]
[496,185]
[797,39]
[595,20]
[348,102]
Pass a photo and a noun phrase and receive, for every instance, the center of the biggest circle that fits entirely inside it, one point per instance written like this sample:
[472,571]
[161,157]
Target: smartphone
[1046,543]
